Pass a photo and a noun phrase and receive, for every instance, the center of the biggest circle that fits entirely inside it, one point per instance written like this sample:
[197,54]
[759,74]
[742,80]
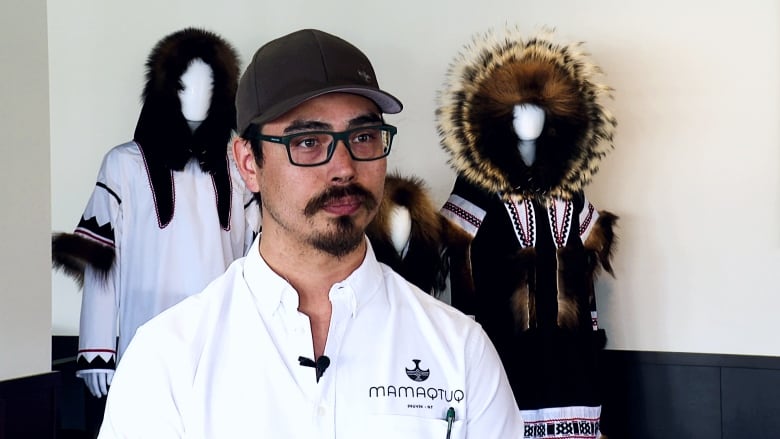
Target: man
[309,336]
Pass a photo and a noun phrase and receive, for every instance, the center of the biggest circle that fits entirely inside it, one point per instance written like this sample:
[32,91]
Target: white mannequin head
[528,121]
[198,86]
[528,124]
[400,229]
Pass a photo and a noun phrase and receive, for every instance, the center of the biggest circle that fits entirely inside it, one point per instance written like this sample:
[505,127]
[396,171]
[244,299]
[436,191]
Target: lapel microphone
[319,366]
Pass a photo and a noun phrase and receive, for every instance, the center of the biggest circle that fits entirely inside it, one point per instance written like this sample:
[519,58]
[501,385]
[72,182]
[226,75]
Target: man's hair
[251,134]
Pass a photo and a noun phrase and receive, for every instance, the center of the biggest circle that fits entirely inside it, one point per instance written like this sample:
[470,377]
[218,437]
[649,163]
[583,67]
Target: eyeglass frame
[337,135]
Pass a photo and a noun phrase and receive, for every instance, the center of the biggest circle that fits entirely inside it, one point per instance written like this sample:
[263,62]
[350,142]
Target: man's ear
[245,161]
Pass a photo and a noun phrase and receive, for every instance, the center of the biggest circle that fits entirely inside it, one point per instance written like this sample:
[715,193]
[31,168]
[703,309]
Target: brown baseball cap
[300,66]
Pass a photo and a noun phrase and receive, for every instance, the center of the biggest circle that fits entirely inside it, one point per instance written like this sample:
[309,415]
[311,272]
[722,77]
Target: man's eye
[364,136]
[306,142]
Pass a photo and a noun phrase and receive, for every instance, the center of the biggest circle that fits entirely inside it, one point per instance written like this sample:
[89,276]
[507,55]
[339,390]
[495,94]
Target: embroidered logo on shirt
[418,374]
[416,396]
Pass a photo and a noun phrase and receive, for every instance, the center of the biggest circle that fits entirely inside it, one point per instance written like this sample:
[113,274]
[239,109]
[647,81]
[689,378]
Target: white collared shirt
[224,364]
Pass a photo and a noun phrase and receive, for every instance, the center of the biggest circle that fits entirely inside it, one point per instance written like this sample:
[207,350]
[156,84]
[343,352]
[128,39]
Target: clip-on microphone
[319,366]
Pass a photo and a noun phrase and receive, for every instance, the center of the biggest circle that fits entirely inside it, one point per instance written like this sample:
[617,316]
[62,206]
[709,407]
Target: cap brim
[386,102]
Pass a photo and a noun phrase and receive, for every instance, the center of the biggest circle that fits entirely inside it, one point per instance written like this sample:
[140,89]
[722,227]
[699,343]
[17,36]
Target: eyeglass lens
[316,147]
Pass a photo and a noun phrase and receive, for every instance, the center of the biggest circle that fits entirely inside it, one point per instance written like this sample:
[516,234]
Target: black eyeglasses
[314,148]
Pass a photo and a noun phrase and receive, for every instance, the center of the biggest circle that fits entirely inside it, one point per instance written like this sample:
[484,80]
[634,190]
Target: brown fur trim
[410,192]
[521,307]
[602,239]
[72,253]
[568,311]
[534,81]
[474,114]
[438,249]
[423,264]
[457,253]
[523,299]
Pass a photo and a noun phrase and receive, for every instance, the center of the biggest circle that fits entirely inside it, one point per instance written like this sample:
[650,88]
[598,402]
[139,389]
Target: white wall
[694,176]
[25,256]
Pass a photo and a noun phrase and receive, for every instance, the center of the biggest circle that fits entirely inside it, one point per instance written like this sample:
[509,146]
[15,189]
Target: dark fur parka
[533,276]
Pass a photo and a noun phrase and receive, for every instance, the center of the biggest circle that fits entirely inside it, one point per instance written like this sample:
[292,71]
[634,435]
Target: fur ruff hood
[162,130]
[475,107]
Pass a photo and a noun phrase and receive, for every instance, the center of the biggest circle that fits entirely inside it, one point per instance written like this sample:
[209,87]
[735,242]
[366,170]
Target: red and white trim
[464,213]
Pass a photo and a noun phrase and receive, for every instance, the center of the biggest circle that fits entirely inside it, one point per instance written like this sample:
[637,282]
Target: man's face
[326,207]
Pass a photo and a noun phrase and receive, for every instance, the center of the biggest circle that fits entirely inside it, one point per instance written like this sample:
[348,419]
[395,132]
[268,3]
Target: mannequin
[195,95]
[400,229]
[525,128]
[134,265]
[528,123]
[412,237]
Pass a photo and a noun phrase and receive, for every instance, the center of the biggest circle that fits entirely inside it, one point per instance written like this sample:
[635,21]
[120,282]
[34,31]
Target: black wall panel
[691,396]
[647,395]
[28,407]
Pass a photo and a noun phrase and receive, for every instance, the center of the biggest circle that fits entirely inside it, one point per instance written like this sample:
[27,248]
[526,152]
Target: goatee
[347,236]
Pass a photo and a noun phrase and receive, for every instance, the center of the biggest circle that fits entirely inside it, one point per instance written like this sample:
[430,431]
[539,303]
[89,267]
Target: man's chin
[346,237]
[338,246]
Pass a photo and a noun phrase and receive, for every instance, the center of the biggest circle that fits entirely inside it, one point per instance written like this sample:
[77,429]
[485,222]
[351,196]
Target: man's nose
[342,161]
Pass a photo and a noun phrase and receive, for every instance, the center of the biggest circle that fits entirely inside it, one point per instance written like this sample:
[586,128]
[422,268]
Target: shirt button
[322,410]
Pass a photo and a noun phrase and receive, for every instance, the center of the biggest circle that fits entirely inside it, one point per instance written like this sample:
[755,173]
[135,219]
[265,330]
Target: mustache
[353,190]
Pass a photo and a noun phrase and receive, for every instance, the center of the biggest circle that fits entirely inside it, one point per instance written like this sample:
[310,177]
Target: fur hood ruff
[474,114]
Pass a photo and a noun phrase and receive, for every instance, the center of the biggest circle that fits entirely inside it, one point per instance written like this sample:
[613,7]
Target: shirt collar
[272,291]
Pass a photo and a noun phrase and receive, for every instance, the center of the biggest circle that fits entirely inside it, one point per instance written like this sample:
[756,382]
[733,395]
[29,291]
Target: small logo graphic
[418,374]
[364,76]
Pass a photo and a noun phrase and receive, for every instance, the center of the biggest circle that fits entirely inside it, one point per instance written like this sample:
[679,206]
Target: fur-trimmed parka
[537,242]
